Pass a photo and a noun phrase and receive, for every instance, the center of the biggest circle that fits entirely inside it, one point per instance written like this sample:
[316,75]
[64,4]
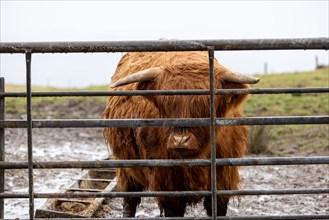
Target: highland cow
[175,71]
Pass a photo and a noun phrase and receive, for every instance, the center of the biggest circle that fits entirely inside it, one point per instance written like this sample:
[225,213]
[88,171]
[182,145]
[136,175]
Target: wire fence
[133,46]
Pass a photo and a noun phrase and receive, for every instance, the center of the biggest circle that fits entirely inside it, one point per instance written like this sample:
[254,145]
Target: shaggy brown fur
[182,70]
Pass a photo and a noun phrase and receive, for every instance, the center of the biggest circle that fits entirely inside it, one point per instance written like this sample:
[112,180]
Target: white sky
[30,21]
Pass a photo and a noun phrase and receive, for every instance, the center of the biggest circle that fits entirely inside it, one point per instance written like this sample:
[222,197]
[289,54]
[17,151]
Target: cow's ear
[235,100]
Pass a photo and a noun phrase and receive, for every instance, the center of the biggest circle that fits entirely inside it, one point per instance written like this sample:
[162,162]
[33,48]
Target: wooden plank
[90,181]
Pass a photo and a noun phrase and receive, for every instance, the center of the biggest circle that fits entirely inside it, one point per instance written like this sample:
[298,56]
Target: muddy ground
[88,144]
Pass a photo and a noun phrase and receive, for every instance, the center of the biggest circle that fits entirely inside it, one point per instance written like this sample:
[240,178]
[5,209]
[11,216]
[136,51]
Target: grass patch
[293,139]
[259,138]
[40,105]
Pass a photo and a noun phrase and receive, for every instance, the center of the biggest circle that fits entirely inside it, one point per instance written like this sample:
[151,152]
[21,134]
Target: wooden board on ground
[95,180]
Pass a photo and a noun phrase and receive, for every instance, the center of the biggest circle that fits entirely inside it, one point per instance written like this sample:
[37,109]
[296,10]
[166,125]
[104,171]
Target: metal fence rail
[188,122]
[168,193]
[2,145]
[168,163]
[133,46]
[267,217]
[168,92]
[177,45]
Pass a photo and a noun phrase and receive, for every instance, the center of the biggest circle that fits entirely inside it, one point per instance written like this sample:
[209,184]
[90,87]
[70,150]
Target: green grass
[290,104]
[17,106]
[293,139]
[284,140]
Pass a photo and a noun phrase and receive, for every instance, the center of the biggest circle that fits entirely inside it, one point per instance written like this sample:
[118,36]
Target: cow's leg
[130,203]
[128,184]
[222,203]
[129,206]
[175,208]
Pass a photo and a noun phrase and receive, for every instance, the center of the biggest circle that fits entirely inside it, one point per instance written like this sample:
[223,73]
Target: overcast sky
[30,21]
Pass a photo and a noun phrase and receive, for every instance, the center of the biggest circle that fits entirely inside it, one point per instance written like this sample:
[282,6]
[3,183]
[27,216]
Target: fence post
[265,68]
[2,146]
[211,52]
[28,57]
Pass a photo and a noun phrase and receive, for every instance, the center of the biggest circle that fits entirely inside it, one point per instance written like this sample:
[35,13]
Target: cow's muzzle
[183,144]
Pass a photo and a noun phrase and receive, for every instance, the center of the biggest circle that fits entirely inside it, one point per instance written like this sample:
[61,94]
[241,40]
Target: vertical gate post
[28,57]
[2,146]
[211,52]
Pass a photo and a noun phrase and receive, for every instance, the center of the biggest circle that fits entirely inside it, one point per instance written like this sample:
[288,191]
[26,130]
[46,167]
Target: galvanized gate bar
[168,163]
[285,120]
[273,217]
[213,167]
[186,193]
[167,193]
[2,146]
[28,59]
[188,122]
[177,45]
[168,92]
[267,217]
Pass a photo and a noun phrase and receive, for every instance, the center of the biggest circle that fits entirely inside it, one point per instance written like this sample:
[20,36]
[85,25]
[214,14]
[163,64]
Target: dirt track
[88,144]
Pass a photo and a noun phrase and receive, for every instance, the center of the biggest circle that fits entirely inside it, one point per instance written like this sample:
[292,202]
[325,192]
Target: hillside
[280,140]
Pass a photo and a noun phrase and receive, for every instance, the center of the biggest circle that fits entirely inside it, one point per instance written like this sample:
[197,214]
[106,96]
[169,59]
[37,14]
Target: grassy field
[293,139]
[290,104]
[282,140]
[17,106]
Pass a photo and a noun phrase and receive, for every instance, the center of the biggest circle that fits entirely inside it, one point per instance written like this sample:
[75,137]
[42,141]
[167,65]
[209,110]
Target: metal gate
[135,46]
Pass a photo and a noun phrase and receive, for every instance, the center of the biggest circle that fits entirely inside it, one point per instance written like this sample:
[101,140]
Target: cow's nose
[180,140]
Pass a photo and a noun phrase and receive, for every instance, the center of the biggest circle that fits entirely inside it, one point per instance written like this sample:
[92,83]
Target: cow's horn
[141,76]
[239,78]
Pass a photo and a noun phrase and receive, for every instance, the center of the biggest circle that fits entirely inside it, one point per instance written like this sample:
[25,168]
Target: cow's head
[181,141]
